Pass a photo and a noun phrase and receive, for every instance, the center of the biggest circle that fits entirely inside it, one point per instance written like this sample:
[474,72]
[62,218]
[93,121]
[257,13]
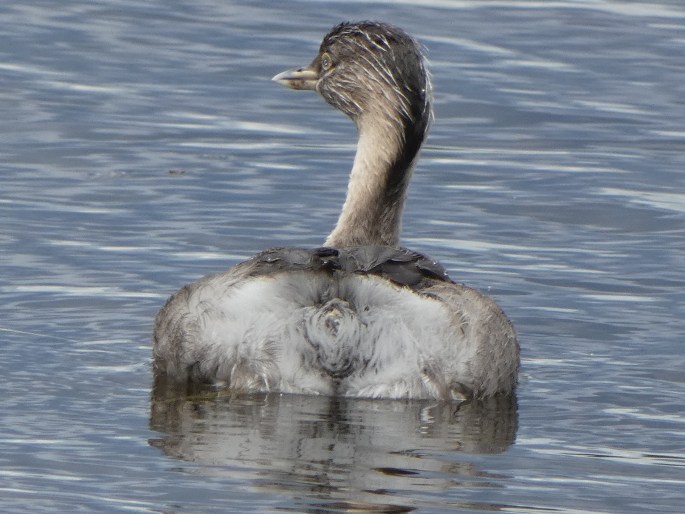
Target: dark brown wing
[399,265]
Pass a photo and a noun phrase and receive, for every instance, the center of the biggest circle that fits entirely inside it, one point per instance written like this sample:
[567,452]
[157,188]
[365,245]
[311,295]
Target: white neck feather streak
[372,215]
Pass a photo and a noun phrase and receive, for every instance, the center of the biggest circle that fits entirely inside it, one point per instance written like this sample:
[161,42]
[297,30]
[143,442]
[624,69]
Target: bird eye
[326,62]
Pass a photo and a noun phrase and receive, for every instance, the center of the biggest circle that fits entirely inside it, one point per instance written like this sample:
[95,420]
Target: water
[143,145]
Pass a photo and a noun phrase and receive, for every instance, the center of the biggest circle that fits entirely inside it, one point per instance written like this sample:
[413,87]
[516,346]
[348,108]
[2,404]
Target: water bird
[360,316]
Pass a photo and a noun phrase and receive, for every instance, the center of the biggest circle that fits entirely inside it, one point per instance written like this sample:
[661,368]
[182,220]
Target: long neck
[372,213]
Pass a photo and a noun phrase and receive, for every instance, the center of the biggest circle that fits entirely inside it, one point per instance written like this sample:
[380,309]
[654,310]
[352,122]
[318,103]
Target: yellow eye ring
[326,61]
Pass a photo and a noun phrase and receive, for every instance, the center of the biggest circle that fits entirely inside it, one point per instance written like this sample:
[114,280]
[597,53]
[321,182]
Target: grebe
[360,316]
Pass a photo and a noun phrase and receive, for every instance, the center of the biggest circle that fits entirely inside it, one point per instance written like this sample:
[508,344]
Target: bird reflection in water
[352,453]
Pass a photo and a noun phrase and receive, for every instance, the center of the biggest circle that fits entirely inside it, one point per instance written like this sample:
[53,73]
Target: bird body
[359,317]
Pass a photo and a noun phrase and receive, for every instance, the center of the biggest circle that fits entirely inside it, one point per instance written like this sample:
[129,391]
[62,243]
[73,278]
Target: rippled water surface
[143,145]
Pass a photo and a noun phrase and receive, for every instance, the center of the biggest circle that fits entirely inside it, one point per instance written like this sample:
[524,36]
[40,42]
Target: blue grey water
[142,145]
